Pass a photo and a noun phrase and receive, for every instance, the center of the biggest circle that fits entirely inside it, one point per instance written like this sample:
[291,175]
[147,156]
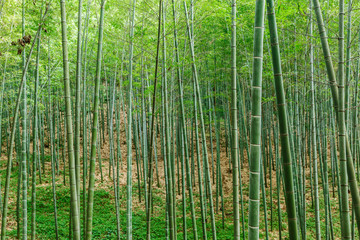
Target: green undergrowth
[104,219]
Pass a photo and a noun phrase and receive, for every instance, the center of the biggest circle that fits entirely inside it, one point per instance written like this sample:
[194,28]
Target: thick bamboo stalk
[255,135]
[234,124]
[283,122]
[345,217]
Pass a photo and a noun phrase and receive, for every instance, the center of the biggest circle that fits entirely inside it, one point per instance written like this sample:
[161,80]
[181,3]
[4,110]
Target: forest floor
[104,220]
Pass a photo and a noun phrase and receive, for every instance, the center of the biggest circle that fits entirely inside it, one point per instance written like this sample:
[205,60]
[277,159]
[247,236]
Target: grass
[104,219]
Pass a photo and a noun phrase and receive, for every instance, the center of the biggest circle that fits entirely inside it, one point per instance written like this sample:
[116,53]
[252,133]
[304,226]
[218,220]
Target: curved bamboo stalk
[13,128]
[335,96]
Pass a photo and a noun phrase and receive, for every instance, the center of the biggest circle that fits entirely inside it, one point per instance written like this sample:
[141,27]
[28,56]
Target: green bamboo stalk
[85,129]
[144,141]
[355,133]
[69,123]
[152,137]
[283,123]
[35,141]
[335,96]
[24,136]
[200,176]
[12,136]
[234,130]
[263,193]
[203,135]
[77,106]
[1,108]
[137,152]
[19,187]
[278,177]
[111,140]
[90,204]
[345,219]
[348,63]
[313,133]
[183,122]
[52,149]
[255,135]
[129,229]
[183,184]
[169,158]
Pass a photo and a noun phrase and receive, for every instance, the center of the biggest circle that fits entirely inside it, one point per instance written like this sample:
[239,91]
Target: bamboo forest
[179,119]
